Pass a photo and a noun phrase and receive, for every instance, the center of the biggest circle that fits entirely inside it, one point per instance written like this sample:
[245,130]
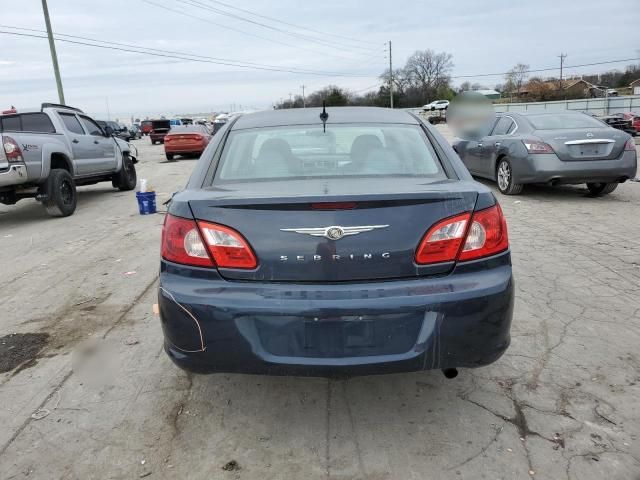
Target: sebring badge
[334,232]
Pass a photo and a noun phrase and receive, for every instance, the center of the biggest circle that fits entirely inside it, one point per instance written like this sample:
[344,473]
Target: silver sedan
[550,148]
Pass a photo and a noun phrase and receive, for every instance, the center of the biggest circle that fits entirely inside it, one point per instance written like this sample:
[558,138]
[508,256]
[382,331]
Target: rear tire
[598,189]
[61,193]
[504,177]
[169,157]
[126,179]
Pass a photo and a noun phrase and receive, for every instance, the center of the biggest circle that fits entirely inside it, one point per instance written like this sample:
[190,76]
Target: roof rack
[58,105]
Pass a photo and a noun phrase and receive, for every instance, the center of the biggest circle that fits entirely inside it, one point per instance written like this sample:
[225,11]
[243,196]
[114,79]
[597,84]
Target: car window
[504,125]
[90,126]
[563,121]
[27,122]
[71,123]
[342,150]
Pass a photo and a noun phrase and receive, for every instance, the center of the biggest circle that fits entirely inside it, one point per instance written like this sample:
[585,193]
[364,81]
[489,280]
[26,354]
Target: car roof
[311,116]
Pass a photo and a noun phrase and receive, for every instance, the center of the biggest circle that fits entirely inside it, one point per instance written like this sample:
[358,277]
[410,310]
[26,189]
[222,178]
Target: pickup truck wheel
[126,178]
[597,189]
[61,193]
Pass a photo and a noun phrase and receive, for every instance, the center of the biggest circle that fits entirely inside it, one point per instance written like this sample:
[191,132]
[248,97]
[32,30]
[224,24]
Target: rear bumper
[183,148]
[157,137]
[15,175]
[459,320]
[548,168]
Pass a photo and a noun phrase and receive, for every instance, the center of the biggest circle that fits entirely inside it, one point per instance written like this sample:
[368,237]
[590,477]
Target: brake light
[227,247]
[334,206]
[443,241]
[536,146]
[465,237]
[168,138]
[182,243]
[630,145]
[487,234]
[12,149]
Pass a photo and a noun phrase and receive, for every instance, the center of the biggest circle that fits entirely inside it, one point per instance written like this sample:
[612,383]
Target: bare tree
[428,70]
[516,76]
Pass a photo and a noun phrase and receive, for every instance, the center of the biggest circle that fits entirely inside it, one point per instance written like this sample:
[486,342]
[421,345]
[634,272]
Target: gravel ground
[86,391]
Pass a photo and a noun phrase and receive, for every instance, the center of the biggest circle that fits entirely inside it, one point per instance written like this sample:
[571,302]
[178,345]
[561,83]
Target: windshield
[563,121]
[343,150]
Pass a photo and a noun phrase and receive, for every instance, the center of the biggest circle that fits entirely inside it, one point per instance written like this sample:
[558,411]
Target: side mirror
[108,131]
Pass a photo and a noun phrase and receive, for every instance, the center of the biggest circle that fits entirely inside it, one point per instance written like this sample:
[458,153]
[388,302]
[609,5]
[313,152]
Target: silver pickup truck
[45,153]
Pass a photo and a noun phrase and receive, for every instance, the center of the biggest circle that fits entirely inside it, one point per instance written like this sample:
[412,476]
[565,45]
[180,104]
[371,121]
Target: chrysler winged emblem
[334,232]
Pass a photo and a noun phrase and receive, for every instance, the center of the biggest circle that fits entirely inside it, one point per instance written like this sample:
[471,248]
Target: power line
[343,37]
[239,30]
[550,68]
[326,43]
[191,57]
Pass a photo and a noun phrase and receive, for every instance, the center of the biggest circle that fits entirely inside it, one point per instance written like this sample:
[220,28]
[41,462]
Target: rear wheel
[60,190]
[597,189]
[504,176]
[126,178]
[169,156]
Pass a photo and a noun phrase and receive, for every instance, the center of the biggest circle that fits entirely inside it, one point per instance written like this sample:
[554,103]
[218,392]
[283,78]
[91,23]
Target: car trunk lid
[585,144]
[342,230]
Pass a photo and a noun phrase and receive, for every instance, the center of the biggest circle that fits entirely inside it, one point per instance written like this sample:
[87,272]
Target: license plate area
[590,150]
[338,334]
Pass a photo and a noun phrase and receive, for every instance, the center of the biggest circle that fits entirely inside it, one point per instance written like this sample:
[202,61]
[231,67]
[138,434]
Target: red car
[146,126]
[636,124]
[186,140]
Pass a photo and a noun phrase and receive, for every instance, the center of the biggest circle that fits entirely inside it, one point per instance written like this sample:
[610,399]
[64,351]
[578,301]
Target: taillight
[442,242]
[12,149]
[630,145]
[536,146]
[465,237]
[167,138]
[227,247]
[205,244]
[487,234]
[182,243]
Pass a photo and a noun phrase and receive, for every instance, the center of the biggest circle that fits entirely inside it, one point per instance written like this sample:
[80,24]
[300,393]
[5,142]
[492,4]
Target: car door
[85,152]
[490,145]
[106,161]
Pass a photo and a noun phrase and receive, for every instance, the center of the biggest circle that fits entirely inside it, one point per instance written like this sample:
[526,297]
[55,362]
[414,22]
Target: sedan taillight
[630,145]
[465,237]
[205,244]
[537,146]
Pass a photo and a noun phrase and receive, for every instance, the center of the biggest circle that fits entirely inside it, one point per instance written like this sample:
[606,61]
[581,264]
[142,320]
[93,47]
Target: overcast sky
[484,36]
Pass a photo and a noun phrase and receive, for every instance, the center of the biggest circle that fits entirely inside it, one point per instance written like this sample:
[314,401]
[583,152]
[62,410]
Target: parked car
[146,126]
[118,129]
[134,132]
[159,129]
[46,153]
[437,105]
[550,148]
[186,140]
[379,256]
[621,121]
[636,124]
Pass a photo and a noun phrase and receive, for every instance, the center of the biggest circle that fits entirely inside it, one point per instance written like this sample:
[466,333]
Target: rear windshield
[27,122]
[563,121]
[186,129]
[343,150]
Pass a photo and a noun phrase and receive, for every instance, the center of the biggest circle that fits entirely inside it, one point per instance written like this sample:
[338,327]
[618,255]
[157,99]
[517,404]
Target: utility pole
[304,102]
[290,100]
[390,76]
[52,47]
[562,56]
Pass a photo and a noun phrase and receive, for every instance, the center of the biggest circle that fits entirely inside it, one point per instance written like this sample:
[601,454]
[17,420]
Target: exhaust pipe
[450,372]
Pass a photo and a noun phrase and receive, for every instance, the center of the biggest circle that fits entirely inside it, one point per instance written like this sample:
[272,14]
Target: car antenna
[324,116]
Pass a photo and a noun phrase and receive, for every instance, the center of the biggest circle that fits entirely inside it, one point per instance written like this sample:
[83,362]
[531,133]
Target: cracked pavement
[562,403]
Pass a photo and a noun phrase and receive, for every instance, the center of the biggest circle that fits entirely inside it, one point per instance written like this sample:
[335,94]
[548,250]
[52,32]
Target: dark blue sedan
[350,241]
